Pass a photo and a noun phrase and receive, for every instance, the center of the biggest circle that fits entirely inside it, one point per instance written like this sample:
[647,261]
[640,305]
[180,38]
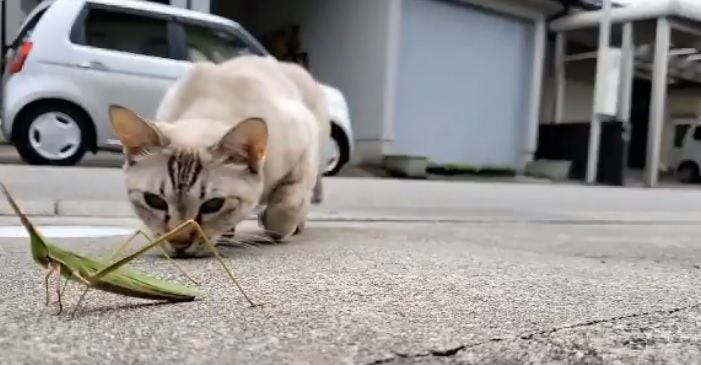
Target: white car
[73,58]
[685,155]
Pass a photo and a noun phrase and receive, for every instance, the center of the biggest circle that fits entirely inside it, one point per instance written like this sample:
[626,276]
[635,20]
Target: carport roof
[688,9]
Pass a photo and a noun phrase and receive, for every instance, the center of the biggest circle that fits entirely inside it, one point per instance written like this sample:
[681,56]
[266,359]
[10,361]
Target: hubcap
[333,154]
[55,136]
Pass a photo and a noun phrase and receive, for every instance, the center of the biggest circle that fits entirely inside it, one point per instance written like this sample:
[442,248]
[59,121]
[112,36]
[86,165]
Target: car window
[125,32]
[212,44]
[697,133]
[679,134]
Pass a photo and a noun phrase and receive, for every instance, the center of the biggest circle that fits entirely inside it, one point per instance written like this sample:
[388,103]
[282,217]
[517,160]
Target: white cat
[227,138]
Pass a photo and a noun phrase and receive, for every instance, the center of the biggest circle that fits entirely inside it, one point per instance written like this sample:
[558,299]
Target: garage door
[463,76]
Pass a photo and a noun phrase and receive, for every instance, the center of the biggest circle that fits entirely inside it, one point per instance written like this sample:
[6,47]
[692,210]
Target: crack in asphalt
[529,336]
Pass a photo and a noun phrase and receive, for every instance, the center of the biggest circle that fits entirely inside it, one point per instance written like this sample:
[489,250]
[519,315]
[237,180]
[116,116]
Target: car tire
[688,173]
[37,123]
[338,137]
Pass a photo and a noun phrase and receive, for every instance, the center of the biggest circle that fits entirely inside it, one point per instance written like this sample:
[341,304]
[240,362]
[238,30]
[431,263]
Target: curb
[92,208]
[70,208]
[30,207]
[117,209]
[121,210]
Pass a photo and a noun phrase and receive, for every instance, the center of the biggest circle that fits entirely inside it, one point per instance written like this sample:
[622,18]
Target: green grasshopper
[112,278]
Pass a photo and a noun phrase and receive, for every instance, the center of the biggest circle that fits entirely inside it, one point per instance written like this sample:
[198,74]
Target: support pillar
[536,93]
[626,89]
[560,77]
[657,102]
[595,126]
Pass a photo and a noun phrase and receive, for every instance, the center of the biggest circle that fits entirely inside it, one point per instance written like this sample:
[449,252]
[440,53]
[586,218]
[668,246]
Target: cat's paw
[300,229]
[317,198]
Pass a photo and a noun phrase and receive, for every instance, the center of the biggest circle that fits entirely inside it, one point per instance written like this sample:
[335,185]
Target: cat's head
[169,183]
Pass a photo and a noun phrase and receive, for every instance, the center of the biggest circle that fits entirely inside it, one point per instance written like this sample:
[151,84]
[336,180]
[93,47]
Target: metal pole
[657,101]
[560,77]
[626,89]
[595,127]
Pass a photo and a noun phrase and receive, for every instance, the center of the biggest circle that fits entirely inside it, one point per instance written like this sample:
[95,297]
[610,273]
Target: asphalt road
[390,272]
[363,293]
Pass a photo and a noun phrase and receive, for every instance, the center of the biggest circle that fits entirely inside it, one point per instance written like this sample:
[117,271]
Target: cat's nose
[183,238]
[179,245]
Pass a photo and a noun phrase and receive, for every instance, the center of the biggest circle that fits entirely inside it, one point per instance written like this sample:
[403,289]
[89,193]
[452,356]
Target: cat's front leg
[287,208]
[318,192]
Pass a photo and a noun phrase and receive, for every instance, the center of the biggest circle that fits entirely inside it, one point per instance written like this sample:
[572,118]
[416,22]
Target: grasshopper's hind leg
[58,290]
[170,259]
[123,247]
[50,270]
[82,295]
[159,241]
[211,247]
[80,301]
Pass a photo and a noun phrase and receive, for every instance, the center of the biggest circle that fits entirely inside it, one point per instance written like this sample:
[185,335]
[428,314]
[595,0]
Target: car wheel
[337,153]
[688,173]
[52,134]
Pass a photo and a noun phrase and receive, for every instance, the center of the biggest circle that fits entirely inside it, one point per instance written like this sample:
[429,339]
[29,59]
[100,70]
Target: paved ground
[390,292]
[392,272]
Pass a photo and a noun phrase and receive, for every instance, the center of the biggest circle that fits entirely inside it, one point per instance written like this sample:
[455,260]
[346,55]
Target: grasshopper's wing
[124,281]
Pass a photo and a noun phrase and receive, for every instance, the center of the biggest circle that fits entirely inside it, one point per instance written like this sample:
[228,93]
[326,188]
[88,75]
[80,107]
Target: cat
[227,138]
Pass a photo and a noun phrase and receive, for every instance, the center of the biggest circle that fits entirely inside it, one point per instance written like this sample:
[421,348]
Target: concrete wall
[579,98]
[199,5]
[17,11]
[684,103]
[347,42]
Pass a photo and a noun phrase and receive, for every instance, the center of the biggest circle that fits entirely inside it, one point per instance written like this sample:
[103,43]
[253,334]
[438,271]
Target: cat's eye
[156,202]
[212,206]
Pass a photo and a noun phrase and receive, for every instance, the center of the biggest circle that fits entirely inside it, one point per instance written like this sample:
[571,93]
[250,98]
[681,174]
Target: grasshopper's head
[183,171]
[40,251]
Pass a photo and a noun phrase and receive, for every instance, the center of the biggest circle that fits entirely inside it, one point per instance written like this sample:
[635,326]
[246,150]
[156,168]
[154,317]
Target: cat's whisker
[259,237]
[237,243]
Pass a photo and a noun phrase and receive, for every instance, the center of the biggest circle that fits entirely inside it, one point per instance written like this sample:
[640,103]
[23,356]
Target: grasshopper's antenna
[40,250]
[22,217]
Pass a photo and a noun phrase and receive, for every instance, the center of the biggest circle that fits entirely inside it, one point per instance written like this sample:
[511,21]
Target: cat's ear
[245,143]
[136,133]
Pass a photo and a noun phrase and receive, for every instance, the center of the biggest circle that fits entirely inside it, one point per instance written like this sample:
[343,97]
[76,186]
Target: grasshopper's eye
[154,201]
[212,206]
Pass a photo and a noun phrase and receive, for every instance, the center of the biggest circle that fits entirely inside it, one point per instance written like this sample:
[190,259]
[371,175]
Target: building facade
[457,81]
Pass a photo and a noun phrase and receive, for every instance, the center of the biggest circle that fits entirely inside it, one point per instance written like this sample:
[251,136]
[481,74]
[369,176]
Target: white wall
[347,42]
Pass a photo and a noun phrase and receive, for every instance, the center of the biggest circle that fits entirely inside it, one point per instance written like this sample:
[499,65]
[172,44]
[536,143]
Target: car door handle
[95,65]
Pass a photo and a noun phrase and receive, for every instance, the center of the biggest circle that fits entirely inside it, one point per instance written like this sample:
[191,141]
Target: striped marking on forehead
[184,168]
